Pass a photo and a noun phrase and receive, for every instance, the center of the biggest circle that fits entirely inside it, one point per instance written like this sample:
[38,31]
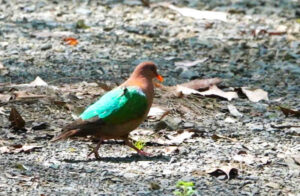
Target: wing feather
[118,106]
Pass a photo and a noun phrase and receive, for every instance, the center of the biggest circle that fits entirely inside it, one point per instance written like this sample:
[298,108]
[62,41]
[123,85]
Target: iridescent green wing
[118,106]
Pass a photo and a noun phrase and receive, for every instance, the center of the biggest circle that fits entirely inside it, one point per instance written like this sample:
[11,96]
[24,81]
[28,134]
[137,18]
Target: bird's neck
[145,84]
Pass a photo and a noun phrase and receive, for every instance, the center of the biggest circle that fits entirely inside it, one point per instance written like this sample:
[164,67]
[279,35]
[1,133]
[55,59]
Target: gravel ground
[257,45]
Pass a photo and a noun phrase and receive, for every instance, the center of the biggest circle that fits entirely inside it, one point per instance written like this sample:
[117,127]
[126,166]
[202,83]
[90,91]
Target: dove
[118,112]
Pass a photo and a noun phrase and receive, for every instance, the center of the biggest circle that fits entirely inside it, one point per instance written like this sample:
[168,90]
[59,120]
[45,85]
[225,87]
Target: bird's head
[147,70]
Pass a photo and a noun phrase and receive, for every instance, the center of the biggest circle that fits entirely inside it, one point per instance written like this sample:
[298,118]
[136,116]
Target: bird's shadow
[127,159]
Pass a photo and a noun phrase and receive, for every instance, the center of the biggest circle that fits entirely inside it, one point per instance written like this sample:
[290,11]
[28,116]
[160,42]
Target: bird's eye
[153,69]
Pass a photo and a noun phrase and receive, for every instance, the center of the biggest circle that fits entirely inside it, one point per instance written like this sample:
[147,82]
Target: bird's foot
[95,153]
[143,153]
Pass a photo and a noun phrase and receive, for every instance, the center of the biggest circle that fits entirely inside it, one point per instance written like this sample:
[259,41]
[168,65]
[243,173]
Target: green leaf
[81,25]
[139,144]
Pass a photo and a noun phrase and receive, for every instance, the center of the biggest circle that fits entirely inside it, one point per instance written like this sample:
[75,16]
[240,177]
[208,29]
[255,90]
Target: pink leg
[95,150]
[129,143]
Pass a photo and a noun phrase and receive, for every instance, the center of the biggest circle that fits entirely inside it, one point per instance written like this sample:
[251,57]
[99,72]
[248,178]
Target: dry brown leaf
[157,113]
[229,172]
[17,122]
[255,95]
[190,63]
[22,95]
[287,112]
[258,32]
[201,83]
[4,98]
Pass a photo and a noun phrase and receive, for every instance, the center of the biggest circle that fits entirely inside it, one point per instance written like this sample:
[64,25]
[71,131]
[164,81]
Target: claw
[95,150]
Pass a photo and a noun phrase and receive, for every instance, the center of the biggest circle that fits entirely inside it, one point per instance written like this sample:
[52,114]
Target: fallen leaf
[296,159]
[157,113]
[38,82]
[186,91]
[76,110]
[216,137]
[233,111]
[22,95]
[3,70]
[19,148]
[229,120]
[249,159]
[197,14]
[39,125]
[80,24]
[21,166]
[171,150]
[287,112]
[1,66]
[276,33]
[244,158]
[201,83]
[284,126]
[154,186]
[17,122]
[292,164]
[262,32]
[4,98]
[71,41]
[2,111]
[190,63]
[4,149]
[179,137]
[60,103]
[27,148]
[229,172]
[215,91]
[47,34]
[255,95]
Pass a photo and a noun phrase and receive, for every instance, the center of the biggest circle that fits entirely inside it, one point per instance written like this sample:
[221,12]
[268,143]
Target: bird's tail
[66,134]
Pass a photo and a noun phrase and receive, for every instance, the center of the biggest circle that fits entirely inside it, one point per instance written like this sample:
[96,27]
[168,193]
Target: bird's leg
[95,150]
[129,143]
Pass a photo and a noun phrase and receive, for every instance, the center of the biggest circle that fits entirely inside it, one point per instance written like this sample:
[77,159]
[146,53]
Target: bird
[118,112]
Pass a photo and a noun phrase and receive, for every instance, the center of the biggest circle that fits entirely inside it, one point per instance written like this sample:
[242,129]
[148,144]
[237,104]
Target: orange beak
[160,78]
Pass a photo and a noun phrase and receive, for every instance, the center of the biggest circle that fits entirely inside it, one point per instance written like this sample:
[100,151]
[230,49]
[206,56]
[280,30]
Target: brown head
[147,70]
